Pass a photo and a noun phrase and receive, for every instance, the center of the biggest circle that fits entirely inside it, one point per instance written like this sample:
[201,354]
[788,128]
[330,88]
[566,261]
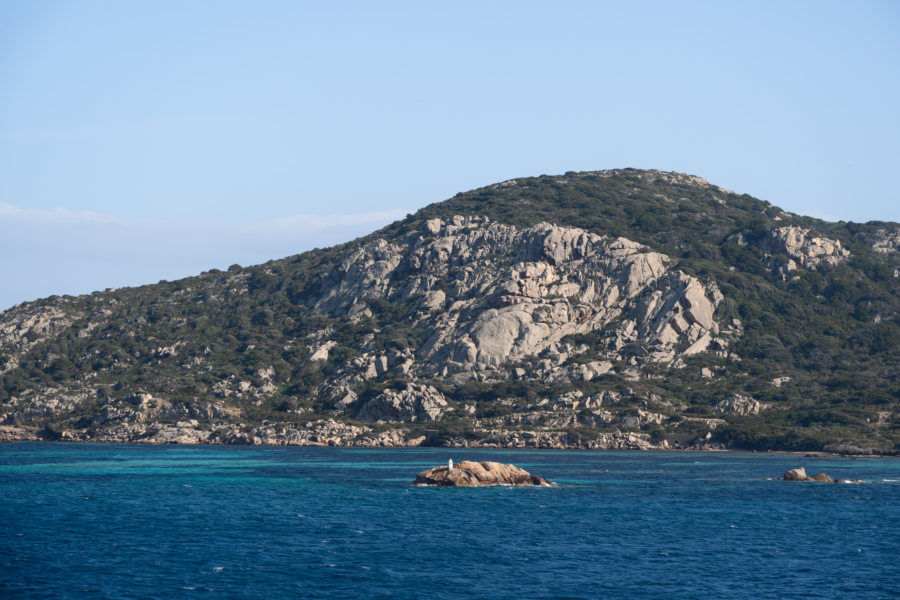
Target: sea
[135,521]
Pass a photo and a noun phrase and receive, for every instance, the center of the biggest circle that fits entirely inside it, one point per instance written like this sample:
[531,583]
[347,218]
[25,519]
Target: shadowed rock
[417,402]
[470,474]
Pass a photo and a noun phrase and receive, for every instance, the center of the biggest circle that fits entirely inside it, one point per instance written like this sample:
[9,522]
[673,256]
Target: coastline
[12,435]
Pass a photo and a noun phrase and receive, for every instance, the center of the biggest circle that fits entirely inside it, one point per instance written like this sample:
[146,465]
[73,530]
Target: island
[799,474]
[470,474]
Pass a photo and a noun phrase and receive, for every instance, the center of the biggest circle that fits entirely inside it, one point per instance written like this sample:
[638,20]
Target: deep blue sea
[130,521]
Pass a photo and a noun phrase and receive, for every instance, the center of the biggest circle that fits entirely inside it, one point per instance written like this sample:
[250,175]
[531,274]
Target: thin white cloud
[75,252]
[57,216]
[306,223]
[291,224]
[107,131]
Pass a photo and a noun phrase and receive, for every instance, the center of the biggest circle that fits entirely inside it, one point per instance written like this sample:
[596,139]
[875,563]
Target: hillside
[610,309]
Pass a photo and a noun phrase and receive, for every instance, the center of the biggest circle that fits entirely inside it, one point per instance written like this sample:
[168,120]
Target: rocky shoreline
[501,318]
[329,432]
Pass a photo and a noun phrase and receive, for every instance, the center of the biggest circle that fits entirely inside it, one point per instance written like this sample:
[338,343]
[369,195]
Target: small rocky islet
[799,474]
[473,474]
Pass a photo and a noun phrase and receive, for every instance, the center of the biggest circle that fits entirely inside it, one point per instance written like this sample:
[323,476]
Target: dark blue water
[126,521]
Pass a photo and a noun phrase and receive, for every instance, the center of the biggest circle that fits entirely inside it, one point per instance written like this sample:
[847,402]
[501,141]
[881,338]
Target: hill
[609,309]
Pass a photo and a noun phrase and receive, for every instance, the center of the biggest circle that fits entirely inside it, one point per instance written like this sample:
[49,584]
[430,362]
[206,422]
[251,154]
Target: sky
[150,140]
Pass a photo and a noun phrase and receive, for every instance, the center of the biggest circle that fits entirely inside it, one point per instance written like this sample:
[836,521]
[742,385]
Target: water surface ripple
[127,521]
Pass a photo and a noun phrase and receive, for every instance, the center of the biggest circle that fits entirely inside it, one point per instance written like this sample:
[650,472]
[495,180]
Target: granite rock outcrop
[799,474]
[886,241]
[473,474]
[493,295]
[797,247]
[416,402]
[738,404]
[619,309]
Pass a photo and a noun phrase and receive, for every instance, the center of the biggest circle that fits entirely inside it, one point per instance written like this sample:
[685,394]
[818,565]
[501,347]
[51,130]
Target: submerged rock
[469,474]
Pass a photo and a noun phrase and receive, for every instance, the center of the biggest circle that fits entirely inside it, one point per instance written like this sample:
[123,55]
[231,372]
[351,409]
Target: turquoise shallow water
[127,521]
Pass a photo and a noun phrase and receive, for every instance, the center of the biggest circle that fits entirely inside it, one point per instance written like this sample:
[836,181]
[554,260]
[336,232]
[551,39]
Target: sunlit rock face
[493,295]
[803,248]
[475,474]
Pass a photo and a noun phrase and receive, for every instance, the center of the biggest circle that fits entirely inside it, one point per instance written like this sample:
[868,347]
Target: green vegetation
[834,332]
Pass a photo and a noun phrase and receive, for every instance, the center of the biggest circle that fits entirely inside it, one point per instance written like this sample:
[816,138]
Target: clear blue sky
[148,140]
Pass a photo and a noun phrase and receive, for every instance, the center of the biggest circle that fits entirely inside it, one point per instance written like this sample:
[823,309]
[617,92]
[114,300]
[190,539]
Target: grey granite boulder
[416,402]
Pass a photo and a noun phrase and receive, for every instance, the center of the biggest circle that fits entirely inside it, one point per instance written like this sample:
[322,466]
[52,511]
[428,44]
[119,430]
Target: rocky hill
[611,309]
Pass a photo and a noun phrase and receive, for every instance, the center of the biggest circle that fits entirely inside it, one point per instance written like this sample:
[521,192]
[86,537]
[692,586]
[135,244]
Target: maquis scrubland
[620,309]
